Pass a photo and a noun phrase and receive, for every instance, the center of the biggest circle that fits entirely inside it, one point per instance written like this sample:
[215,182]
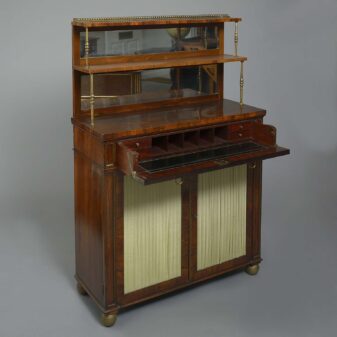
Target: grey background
[291,71]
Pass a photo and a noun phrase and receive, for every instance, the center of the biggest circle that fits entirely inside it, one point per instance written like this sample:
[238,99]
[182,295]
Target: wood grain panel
[221,223]
[152,233]
[88,226]
[89,146]
[168,119]
[158,64]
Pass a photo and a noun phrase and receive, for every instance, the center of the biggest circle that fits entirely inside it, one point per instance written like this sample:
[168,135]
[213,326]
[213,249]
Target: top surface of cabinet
[138,123]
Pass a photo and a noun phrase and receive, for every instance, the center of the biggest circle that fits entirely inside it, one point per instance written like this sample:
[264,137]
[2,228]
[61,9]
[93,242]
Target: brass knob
[252,165]
[240,134]
[179,181]
[221,162]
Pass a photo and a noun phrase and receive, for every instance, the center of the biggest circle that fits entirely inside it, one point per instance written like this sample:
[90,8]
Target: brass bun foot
[108,319]
[81,290]
[252,270]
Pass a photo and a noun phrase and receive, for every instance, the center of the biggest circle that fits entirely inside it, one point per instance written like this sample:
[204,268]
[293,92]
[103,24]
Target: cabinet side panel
[88,145]
[88,225]
[221,224]
[152,233]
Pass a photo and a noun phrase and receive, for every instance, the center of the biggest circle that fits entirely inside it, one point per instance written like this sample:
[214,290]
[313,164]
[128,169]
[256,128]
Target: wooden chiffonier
[167,172]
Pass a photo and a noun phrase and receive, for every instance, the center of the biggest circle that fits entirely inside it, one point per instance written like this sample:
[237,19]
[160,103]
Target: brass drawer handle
[221,162]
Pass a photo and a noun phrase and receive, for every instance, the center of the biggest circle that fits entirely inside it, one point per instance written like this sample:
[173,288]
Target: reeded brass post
[241,84]
[92,99]
[236,39]
[86,47]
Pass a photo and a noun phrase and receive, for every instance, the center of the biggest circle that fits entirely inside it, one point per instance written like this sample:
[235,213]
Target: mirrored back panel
[149,41]
[116,89]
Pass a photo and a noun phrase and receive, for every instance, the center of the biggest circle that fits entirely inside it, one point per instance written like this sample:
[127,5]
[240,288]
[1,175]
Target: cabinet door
[152,242]
[224,217]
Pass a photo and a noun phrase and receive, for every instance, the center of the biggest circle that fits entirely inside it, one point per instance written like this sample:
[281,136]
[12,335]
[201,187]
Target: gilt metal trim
[152,18]
[236,39]
[86,47]
[92,100]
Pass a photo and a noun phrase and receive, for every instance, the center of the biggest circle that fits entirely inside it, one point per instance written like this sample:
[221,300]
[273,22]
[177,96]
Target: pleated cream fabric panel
[152,233]
[221,221]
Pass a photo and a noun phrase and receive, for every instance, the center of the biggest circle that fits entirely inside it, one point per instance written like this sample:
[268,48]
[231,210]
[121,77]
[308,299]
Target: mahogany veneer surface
[174,118]
[148,21]
[158,64]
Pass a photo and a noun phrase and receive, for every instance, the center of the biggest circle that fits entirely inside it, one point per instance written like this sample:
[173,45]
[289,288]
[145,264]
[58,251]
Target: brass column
[236,39]
[241,84]
[86,47]
[92,99]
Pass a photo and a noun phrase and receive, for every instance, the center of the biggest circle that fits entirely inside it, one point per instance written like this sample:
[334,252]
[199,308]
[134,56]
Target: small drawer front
[239,131]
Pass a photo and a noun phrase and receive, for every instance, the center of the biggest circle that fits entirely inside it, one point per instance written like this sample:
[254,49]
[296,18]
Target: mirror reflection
[149,86]
[149,41]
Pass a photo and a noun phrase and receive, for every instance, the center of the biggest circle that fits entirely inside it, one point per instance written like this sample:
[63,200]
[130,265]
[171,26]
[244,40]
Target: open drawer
[165,157]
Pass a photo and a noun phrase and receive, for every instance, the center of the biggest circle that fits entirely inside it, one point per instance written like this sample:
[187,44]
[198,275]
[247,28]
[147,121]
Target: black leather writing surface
[197,157]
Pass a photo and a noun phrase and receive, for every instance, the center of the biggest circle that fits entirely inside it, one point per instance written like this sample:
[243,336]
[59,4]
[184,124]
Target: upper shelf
[152,20]
[158,64]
